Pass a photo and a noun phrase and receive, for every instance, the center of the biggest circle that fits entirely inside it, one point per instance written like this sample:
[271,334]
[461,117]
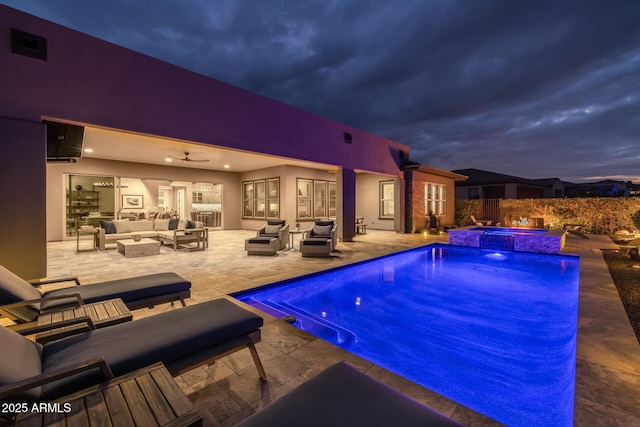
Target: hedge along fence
[598,215]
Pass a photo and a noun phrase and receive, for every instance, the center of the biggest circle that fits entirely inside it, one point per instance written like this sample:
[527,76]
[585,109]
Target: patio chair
[344,396]
[276,228]
[181,339]
[320,240]
[22,302]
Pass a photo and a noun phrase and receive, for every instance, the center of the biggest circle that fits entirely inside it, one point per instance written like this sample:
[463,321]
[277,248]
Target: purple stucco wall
[91,81]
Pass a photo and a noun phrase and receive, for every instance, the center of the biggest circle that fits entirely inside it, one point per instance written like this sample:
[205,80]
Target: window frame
[382,213]
[435,199]
[257,205]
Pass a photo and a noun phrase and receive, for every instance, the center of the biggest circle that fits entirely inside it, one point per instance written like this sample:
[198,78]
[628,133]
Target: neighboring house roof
[482,177]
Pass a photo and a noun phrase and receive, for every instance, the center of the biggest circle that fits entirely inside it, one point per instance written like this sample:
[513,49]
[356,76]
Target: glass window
[386,199]
[435,199]
[333,200]
[273,198]
[259,199]
[304,198]
[247,199]
[320,198]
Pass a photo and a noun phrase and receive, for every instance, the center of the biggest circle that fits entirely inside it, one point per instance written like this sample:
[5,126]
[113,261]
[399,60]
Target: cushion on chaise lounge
[130,290]
[167,337]
[343,396]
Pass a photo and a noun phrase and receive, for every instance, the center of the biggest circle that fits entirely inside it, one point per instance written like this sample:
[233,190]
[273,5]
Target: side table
[103,313]
[84,232]
[147,397]
[291,234]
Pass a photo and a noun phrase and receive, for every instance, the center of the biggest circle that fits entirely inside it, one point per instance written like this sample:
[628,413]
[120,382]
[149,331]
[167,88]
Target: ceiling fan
[186,158]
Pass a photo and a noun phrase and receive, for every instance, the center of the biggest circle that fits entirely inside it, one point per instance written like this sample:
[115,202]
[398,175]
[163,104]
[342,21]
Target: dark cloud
[530,88]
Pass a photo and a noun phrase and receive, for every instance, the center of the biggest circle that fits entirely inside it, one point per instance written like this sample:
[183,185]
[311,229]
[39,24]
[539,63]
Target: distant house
[483,184]
[606,188]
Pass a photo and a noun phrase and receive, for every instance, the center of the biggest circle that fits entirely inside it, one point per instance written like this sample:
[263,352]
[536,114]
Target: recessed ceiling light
[168,160]
[227,166]
[88,150]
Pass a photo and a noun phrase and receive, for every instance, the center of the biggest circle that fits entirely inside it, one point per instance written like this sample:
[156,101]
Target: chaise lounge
[22,302]
[344,396]
[181,339]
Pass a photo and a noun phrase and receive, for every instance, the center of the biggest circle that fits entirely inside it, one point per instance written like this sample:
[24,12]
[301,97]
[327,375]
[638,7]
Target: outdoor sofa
[344,396]
[22,302]
[181,339]
[171,231]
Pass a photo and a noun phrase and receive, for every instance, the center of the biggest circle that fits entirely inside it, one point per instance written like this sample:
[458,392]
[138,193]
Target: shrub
[635,218]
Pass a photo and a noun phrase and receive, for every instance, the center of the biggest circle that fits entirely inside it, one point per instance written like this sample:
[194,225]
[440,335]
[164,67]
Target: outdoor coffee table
[147,397]
[103,313]
[143,247]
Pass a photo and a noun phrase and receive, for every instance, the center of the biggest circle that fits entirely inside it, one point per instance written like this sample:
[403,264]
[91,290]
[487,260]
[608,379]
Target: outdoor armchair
[22,302]
[275,228]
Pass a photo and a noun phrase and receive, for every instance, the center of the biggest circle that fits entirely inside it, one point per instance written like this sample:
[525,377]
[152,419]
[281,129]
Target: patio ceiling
[129,147]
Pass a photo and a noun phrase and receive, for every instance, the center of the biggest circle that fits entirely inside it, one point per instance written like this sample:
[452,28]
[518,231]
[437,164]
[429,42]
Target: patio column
[346,204]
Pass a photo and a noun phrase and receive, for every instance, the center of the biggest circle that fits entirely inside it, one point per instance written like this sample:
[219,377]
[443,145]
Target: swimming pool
[495,331]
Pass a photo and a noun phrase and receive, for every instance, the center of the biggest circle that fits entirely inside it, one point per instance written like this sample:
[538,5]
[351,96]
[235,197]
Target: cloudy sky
[535,89]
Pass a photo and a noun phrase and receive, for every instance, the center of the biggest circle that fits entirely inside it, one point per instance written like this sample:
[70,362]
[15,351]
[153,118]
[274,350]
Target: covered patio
[608,354]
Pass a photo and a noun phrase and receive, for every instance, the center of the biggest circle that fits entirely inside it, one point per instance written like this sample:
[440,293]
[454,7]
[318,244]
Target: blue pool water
[493,331]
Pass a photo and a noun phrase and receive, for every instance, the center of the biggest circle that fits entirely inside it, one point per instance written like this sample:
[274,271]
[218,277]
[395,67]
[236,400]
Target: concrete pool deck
[608,354]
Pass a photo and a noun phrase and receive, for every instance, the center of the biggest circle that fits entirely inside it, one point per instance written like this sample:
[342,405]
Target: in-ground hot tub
[519,239]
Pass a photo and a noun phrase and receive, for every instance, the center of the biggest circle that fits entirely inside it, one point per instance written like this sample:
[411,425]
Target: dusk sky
[536,89]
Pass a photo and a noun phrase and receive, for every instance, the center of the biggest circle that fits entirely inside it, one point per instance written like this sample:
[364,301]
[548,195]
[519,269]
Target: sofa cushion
[280,222]
[161,224]
[19,359]
[316,241]
[14,288]
[330,222]
[129,290]
[122,225]
[166,337]
[173,223]
[322,230]
[108,227]
[144,225]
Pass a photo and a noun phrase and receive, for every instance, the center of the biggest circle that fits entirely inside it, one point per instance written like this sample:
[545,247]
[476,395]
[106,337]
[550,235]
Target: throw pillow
[122,225]
[173,223]
[280,222]
[272,229]
[324,223]
[108,227]
[190,224]
[161,224]
[322,230]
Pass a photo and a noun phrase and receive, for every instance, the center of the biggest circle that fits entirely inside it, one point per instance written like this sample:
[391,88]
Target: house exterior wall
[368,201]
[88,81]
[416,218]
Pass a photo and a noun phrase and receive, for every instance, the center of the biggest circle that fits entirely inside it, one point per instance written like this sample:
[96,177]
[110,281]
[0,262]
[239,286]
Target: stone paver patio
[608,354]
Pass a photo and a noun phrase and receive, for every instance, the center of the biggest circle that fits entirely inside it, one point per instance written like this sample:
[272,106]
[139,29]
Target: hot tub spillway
[496,241]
